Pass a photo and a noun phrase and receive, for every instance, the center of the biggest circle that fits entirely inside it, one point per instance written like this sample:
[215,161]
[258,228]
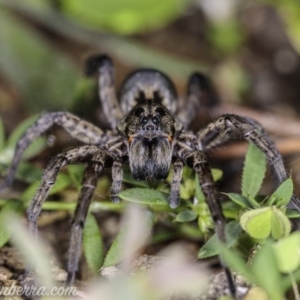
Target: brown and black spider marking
[148,130]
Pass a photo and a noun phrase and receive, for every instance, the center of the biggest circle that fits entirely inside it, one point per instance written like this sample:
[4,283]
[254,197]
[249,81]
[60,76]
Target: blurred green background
[249,48]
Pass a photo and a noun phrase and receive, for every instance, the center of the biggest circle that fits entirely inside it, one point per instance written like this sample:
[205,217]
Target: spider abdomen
[150,158]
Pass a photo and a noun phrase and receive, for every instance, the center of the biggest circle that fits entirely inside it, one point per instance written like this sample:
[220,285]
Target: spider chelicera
[149,131]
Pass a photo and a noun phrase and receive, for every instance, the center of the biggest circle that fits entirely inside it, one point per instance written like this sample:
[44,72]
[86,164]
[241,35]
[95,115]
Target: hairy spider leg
[104,66]
[117,178]
[201,167]
[77,155]
[229,127]
[89,183]
[79,129]
[96,159]
[200,94]
[174,197]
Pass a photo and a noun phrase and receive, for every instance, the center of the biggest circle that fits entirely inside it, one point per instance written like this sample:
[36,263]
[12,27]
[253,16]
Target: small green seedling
[262,218]
[259,217]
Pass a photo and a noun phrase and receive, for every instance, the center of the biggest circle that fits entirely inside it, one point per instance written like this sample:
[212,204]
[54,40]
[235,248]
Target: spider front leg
[199,163]
[230,127]
[81,154]
[89,184]
[79,129]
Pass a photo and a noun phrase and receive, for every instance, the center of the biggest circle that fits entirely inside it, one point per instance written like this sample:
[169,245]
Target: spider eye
[144,120]
[138,111]
[161,111]
[155,120]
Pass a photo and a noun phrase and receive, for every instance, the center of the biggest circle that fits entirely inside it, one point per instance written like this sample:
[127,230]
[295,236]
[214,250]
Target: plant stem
[294,286]
[95,206]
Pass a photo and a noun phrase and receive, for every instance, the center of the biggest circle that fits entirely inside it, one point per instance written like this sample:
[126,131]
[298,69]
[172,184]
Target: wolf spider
[148,130]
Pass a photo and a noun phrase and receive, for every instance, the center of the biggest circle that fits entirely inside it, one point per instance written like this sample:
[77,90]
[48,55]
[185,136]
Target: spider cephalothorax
[149,130]
[150,125]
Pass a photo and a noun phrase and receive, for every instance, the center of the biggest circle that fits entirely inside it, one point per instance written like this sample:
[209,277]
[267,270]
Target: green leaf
[76,174]
[266,272]
[253,172]
[281,225]
[234,260]
[20,129]
[12,206]
[289,281]
[239,200]
[61,183]
[211,247]
[287,253]
[162,237]
[198,191]
[263,222]
[257,222]
[118,248]
[292,214]
[29,173]
[216,173]
[205,222]
[127,178]
[253,202]
[283,193]
[92,244]
[34,148]
[187,188]
[144,196]
[186,216]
